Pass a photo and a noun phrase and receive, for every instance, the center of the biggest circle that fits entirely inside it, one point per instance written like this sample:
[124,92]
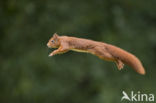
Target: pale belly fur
[78,50]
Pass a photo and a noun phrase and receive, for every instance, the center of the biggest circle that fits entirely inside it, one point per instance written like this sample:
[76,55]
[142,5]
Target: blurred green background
[28,75]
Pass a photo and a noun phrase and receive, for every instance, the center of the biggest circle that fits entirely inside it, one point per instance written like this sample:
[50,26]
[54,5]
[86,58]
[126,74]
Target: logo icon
[125,96]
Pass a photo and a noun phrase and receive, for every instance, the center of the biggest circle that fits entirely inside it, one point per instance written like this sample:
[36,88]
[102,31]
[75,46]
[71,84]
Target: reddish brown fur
[102,50]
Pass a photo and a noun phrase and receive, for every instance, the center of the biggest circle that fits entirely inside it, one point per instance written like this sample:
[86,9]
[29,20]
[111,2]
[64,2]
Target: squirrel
[104,51]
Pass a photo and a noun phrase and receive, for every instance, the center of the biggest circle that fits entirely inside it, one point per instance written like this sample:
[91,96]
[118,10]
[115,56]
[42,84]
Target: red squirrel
[103,50]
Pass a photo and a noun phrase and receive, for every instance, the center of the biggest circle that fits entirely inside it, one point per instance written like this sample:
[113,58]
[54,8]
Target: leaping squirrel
[102,50]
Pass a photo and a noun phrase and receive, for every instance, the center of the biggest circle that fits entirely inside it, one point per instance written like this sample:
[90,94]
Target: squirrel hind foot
[119,64]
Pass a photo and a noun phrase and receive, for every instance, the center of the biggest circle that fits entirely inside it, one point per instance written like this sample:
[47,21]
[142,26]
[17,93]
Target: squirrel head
[54,41]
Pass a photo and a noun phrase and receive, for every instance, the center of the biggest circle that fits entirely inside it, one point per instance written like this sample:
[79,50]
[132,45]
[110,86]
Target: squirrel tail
[134,62]
[127,58]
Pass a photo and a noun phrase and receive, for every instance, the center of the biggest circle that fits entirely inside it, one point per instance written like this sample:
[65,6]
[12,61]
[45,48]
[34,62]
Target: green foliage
[28,75]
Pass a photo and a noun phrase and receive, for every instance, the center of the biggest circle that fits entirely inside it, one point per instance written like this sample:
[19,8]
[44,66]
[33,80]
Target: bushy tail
[127,58]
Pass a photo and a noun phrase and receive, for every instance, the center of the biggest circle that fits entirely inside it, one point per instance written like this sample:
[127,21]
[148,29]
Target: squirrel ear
[55,35]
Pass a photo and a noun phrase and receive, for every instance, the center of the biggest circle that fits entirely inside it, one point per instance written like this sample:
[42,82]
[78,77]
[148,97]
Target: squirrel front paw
[51,54]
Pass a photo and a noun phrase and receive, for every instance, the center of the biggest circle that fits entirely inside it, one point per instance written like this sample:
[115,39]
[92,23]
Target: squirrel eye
[52,41]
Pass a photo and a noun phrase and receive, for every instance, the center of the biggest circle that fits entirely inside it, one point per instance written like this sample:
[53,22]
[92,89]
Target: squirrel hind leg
[119,64]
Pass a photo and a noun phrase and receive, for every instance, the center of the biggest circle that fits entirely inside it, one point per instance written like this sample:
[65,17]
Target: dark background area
[28,75]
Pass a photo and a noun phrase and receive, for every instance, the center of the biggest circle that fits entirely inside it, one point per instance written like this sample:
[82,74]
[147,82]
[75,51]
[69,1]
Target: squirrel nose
[47,45]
